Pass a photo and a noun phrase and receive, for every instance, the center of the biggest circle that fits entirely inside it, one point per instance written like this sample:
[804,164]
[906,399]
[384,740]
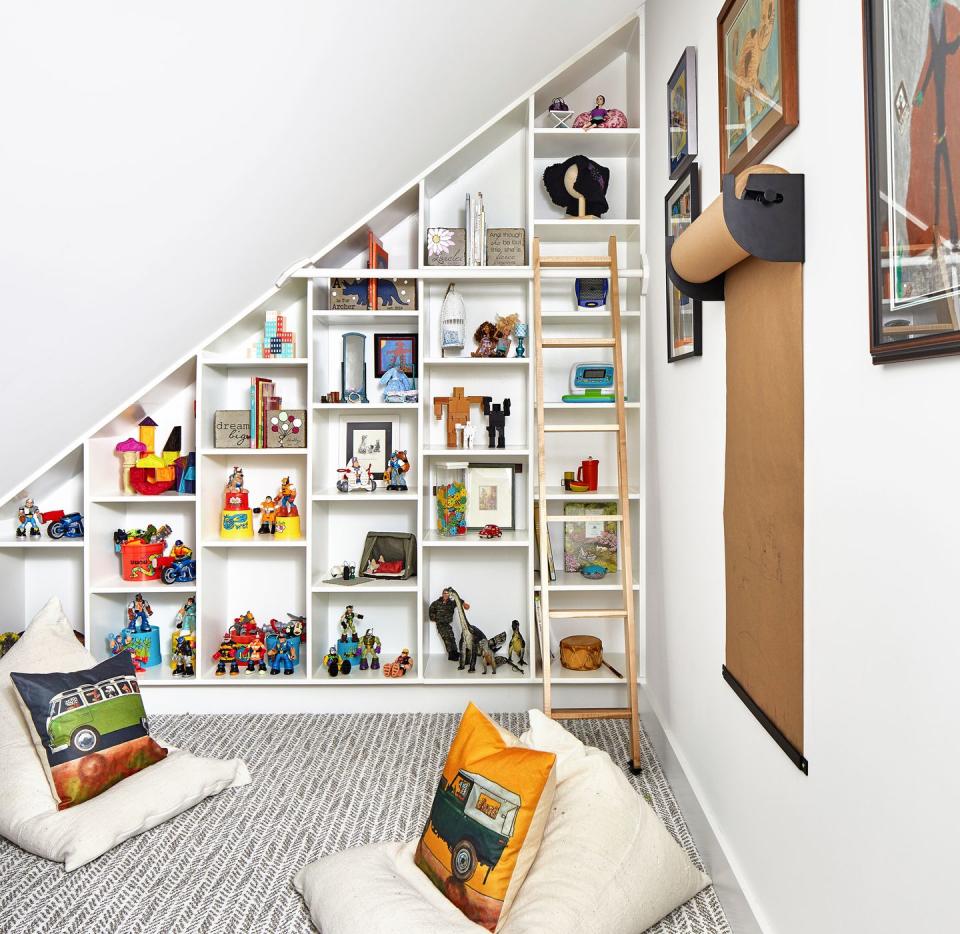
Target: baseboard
[737,903]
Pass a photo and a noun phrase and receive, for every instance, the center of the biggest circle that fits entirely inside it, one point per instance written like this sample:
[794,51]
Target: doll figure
[598,113]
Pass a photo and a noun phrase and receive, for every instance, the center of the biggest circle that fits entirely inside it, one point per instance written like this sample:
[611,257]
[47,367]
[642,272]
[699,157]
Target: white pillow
[28,813]
[606,864]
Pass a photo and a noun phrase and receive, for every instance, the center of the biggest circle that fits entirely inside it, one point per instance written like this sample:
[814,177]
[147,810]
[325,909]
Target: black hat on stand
[592,182]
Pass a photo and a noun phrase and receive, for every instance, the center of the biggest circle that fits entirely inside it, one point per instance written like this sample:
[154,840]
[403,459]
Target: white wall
[163,164]
[867,842]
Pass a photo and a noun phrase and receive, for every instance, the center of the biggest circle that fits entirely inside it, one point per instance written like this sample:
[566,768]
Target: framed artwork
[682,112]
[395,350]
[684,331]
[757,65]
[489,495]
[371,443]
[913,200]
[594,542]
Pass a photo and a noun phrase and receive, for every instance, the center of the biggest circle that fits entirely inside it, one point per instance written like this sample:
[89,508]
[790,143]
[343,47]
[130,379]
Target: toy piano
[591,382]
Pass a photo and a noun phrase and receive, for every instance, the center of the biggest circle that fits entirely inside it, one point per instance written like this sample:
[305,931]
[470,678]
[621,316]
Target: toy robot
[138,613]
[282,656]
[30,519]
[336,664]
[369,651]
[257,655]
[348,629]
[183,654]
[186,617]
[517,644]
[496,421]
[268,517]
[226,653]
[441,613]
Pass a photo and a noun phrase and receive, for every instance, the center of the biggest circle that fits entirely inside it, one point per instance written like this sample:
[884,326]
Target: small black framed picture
[395,350]
[681,208]
[682,112]
[371,443]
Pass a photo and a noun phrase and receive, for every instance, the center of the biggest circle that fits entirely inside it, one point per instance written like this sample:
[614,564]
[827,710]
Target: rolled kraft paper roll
[706,248]
[581,653]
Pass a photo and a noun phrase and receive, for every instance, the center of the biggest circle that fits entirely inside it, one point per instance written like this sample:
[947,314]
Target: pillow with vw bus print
[487,820]
[89,727]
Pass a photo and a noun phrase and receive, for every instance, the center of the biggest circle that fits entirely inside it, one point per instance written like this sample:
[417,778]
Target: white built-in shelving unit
[505,160]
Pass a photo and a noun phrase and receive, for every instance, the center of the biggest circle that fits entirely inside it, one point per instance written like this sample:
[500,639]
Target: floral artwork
[440,241]
[586,543]
[446,246]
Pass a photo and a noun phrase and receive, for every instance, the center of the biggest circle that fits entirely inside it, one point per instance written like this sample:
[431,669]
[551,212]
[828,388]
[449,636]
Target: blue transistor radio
[591,382]
[591,293]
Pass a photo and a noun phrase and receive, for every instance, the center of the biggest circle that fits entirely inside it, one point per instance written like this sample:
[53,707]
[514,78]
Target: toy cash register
[591,382]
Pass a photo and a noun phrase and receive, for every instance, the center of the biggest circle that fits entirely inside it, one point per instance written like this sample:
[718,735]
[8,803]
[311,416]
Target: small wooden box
[446,246]
[506,246]
[231,428]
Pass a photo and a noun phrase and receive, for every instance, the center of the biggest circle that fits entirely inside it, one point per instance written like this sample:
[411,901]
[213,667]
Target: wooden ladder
[625,611]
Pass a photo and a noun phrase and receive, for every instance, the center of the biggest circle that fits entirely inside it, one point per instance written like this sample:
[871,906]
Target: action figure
[282,656]
[369,651]
[397,466]
[183,654]
[138,613]
[400,666]
[235,481]
[186,617]
[348,629]
[517,644]
[286,497]
[441,613]
[226,653]
[180,550]
[123,642]
[336,664]
[496,421]
[268,517]
[29,517]
[256,655]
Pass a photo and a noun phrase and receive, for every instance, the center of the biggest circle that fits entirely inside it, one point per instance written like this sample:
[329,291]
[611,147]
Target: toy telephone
[591,382]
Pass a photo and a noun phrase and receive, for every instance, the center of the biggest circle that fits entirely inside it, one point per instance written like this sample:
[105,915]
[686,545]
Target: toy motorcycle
[353,480]
[64,525]
[177,570]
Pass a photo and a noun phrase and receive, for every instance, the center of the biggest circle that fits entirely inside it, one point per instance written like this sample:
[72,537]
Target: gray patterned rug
[320,784]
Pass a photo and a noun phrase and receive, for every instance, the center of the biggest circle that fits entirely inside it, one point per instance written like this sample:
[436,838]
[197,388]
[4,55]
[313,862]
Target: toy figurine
[348,629]
[458,411]
[235,482]
[268,516]
[400,666]
[505,328]
[496,421]
[486,340]
[186,617]
[236,517]
[282,656]
[397,466]
[183,652]
[336,664]
[441,613]
[396,384]
[295,627]
[466,435]
[180,550]
[601,116]
[286,497]
[369,651]
[138,611]
[256,655]
[123,642]
[245,625]
[599,112]
[226,653]
[353,480]
[517,644]
[487,655]
[29,518]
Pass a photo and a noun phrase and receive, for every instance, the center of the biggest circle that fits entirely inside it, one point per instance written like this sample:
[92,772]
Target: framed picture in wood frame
[759,100]
[390,350]
[682,113]
[681,207]
[913,190]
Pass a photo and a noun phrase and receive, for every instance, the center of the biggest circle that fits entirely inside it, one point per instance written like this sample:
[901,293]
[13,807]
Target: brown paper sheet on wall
[763,495]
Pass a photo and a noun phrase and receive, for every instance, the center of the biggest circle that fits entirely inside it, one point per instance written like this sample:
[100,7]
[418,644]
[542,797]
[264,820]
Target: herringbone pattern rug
[320,784]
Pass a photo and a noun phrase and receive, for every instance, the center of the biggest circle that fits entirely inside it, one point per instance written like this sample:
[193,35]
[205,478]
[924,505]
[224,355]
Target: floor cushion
[605,864]
[28,812]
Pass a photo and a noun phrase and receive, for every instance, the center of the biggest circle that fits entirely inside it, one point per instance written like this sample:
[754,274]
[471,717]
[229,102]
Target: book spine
[468,223]
[253,410]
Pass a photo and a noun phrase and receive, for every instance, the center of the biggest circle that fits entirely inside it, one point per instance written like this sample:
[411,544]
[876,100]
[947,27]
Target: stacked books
[476,221]
[264,402]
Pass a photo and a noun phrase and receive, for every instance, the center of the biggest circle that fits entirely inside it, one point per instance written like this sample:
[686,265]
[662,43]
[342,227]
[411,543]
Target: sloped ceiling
[160,166]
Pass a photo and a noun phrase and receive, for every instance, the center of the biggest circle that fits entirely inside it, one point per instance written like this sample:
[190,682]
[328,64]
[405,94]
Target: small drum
[581,653]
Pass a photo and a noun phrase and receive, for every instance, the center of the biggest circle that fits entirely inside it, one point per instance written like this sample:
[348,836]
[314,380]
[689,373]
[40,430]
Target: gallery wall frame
[912,87]
[682,113]
[681,207]
[757,79]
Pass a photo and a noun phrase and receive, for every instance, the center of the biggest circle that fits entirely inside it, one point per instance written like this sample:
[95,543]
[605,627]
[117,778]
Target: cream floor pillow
[606,864]
[28,814]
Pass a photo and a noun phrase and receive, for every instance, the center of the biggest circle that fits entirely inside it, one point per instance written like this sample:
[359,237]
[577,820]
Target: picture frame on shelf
[681,207]
[759,100]
[591,543]
[913,204]
[446,246]
[391,350]
[490,495]
[682,113]
[371,442]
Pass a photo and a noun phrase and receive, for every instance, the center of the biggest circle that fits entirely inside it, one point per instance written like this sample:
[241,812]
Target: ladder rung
[588,614]
[596,517]
[554,342]
[562,428]
[562,261]
[591,713]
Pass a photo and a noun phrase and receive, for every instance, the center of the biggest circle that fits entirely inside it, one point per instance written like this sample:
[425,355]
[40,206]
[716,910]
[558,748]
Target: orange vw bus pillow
[487,819]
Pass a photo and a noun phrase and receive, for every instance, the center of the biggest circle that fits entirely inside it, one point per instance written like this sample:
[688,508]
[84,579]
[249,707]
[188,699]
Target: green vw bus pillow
[89,727]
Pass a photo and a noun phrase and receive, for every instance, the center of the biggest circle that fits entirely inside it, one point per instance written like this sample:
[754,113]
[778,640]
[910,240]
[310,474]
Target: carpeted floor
[320,784]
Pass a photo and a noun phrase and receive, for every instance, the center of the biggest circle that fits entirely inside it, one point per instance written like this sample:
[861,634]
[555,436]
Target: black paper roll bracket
[767,222]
